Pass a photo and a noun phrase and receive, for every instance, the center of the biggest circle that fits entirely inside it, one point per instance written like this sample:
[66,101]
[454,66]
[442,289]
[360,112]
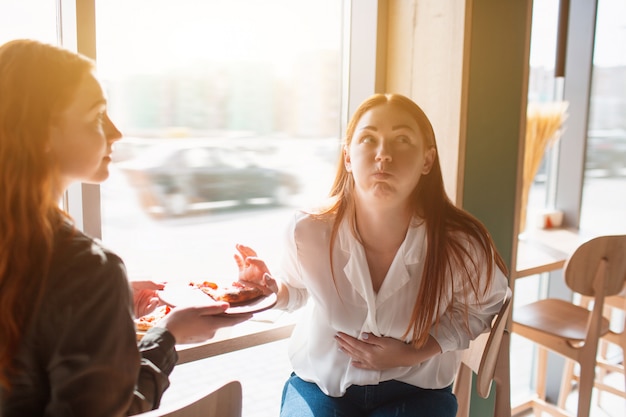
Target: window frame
[570,164]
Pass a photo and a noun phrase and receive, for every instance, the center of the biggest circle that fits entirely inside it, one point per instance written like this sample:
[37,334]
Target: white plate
[178,295]
[187,295]
[255,306]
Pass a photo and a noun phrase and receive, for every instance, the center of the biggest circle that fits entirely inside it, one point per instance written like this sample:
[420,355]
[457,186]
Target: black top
[79,356]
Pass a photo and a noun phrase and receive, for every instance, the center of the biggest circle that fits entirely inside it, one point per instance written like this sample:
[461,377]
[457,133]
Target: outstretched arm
[255,272]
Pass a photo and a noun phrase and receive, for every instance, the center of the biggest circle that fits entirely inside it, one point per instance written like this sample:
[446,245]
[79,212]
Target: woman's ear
[346,159]
[429,160]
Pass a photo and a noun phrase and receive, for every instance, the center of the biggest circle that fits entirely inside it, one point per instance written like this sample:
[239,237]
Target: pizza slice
[237,293]
[145,323]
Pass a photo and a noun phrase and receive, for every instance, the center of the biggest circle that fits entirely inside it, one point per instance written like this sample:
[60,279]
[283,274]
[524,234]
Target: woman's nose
[383,153]
[112,132]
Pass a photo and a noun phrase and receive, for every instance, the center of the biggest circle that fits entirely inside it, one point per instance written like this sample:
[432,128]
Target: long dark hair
[37,82]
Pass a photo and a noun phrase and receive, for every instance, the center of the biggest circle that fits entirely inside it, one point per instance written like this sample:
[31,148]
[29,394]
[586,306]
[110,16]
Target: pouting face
[81,142]
[387,155]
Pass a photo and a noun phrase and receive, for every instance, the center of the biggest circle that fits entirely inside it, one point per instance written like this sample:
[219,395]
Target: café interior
[487,73]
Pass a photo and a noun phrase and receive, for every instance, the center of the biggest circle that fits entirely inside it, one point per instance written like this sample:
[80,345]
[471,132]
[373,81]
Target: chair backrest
[223,401]
[486,355]
[604,255]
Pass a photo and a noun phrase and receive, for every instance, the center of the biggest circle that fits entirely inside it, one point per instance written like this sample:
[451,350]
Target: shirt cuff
[159,347]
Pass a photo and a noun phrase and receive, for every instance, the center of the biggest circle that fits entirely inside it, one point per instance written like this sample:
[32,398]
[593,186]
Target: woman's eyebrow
[397,127]
[98,103]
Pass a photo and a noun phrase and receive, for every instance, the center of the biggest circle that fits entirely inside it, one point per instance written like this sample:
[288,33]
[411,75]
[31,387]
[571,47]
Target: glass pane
[231,115]
[604,191]
[542,89]
[33,19]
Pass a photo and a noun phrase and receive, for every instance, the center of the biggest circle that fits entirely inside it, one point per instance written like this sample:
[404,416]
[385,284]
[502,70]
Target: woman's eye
[99,121]
[403,139]
[368,139]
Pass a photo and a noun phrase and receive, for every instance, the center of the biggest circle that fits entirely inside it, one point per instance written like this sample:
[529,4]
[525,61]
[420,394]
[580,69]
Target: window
[252,90]
[269,79]
[603,202]
[603,196]
[543,87]
[605,130]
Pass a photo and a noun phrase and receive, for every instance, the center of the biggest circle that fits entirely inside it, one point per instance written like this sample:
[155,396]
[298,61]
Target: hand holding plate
[197,324]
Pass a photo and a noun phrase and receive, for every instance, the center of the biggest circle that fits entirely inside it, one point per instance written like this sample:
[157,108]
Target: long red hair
[37,82]
[445,223]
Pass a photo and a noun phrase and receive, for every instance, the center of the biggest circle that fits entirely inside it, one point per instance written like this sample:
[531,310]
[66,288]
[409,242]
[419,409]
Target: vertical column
[496,83]
[86,44]
[494,101]
[576,91]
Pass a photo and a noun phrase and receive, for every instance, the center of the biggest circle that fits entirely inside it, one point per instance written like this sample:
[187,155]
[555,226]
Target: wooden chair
[596,269]
[488,357]
[604,365]
[223,401]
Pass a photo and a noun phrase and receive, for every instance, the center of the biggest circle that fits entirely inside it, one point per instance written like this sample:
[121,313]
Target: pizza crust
[145,323]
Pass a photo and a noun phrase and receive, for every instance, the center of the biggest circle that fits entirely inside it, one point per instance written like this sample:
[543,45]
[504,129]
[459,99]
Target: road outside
[201,245]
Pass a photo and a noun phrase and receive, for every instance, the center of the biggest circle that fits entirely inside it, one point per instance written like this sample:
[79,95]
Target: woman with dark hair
[67,339]
[398,280]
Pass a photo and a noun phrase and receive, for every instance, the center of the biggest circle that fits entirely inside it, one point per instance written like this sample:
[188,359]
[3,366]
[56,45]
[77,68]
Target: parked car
[606,150]
[173,179]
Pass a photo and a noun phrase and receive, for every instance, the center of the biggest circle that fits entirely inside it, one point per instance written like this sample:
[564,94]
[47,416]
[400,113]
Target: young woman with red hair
[67,338]
[395,278]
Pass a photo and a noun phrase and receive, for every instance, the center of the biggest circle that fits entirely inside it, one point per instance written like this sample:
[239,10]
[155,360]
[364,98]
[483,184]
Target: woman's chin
[99,176]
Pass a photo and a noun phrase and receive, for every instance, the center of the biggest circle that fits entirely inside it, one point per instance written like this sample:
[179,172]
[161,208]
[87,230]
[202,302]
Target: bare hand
[377,353]
[197,324]
[145,297]
[254,271]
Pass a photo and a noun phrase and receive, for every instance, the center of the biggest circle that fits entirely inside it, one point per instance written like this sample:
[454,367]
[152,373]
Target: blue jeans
[387,399]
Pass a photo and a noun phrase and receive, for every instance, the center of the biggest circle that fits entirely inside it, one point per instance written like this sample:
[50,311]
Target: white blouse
[350,305]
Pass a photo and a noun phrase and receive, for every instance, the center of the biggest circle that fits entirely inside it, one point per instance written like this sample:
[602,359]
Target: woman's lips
[382,175]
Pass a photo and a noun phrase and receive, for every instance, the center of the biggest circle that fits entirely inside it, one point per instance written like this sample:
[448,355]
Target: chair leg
[540,378]
[502,378]
[601,374]
[566,382]
[605,367]
[622,367]
[622,340]
[542,360]
[463,390]
[603,348]
[585,388]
